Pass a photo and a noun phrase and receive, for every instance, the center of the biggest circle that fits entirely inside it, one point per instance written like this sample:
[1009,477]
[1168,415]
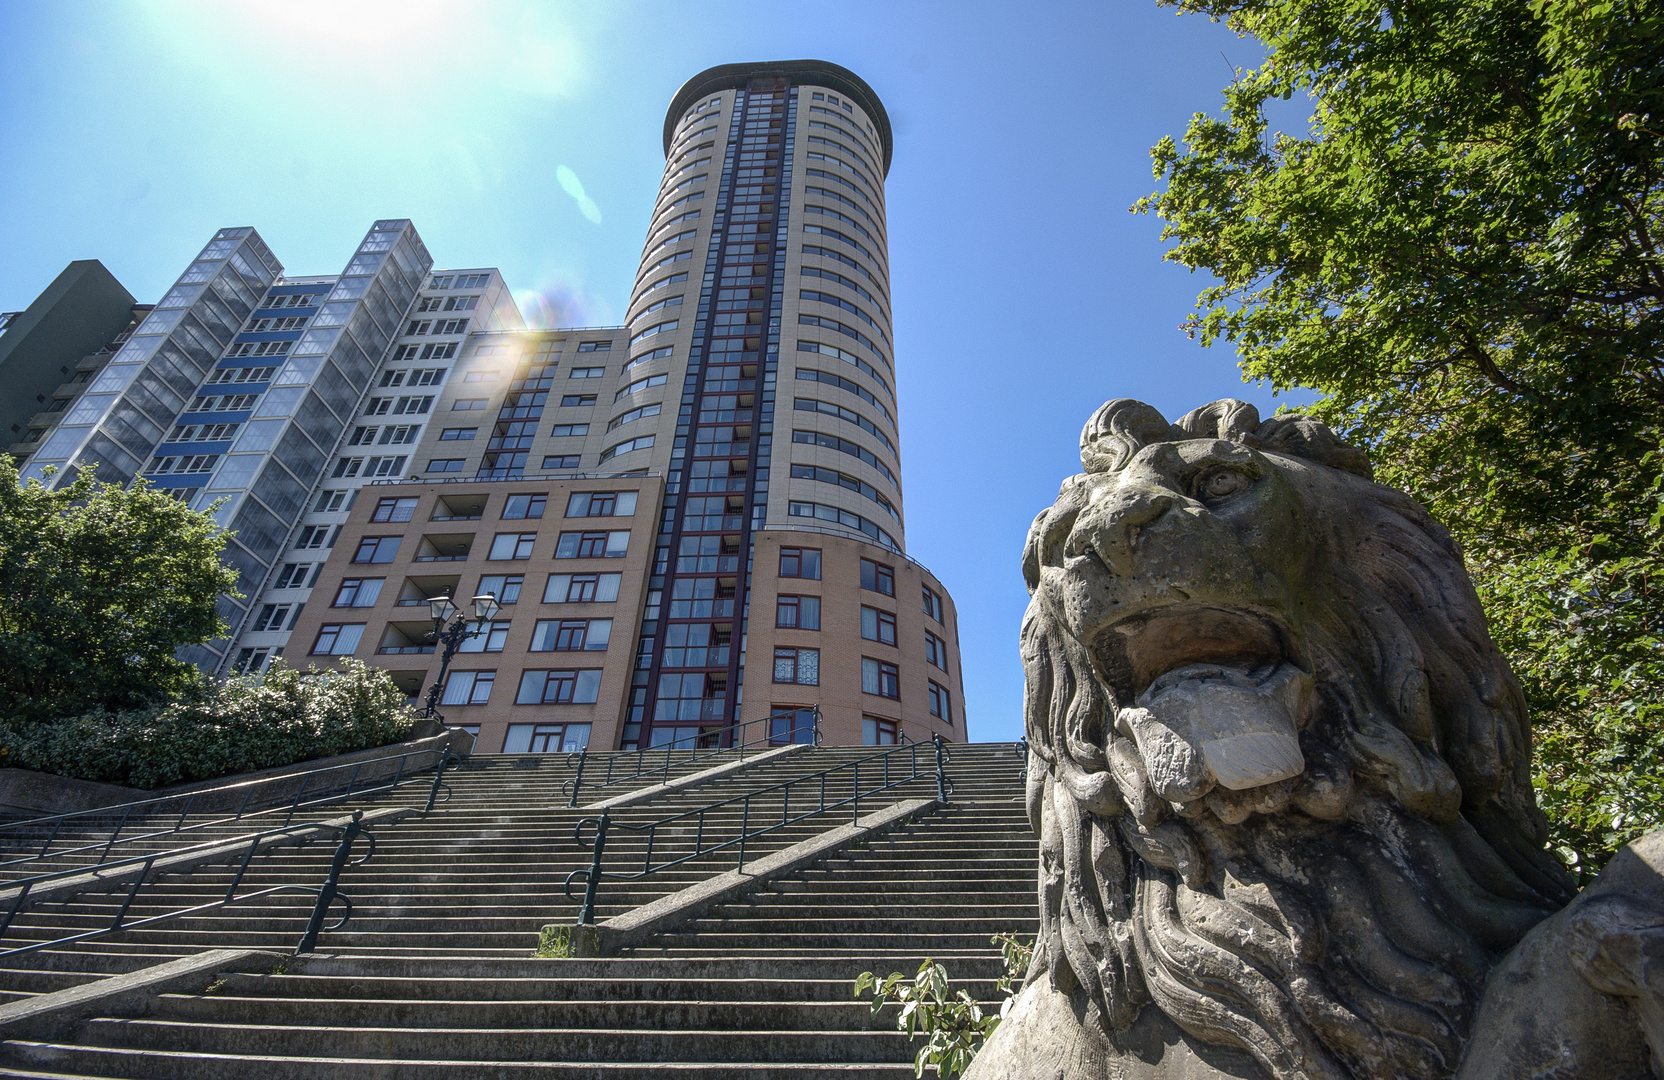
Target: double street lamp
[451,637]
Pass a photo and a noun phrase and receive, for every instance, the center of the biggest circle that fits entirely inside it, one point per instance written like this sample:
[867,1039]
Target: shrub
[216,729]
[953,1023]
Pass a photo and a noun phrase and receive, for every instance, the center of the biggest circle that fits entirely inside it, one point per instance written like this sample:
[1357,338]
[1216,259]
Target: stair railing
[94,841]
[327,893]
[886,769]
[635,765]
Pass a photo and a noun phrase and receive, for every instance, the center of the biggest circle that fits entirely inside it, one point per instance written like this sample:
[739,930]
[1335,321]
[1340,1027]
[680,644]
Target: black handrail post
[185,813]
[586,912]
[745,821]
[855,794]
[438,775]
[941,774]
[578,777]
[304,780]
[119,826]
[331,885]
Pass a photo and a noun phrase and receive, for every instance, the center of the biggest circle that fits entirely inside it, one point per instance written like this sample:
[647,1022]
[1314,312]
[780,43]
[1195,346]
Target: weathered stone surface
[1281,779]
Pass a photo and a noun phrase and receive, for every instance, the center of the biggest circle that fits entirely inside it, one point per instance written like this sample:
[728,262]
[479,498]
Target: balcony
[459,508]
[417,590]
[406,639]
[444,547]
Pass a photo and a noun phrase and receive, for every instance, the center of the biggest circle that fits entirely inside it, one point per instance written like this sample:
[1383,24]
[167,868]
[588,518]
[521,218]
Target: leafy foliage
[99,586]
[216,729]
[954,1023]
[1460,256]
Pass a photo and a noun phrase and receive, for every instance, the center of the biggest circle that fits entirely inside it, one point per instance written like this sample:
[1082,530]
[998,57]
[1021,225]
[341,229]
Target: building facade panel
[406,542]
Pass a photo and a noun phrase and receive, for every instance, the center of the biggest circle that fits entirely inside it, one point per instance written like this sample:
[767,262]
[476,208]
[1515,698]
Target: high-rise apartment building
[691,521]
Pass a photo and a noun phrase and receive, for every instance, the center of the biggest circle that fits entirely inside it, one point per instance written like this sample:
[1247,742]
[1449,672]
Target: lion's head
[1281,772]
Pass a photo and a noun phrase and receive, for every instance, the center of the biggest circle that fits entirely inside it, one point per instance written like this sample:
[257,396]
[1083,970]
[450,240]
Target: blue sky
[1025,294]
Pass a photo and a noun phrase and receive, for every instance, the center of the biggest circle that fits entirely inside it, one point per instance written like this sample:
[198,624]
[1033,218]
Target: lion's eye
[1221,484]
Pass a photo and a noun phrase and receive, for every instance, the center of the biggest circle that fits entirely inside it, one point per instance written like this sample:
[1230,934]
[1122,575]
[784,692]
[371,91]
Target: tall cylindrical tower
[781,585]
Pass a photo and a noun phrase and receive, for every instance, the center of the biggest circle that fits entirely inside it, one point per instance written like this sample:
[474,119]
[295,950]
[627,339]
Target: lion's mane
[1339,924]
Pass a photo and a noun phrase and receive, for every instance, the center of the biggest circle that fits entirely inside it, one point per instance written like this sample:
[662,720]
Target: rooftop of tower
[819,72]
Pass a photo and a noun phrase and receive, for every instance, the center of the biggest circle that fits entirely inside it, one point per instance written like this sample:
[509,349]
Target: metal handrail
[327,893]
[143,807]
[618,763]
[592,874]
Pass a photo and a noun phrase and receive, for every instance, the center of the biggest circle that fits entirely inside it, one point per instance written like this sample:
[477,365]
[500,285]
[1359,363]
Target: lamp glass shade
[441,608]
[486,607]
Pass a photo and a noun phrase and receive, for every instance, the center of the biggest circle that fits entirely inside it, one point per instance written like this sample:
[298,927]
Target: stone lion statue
[1280,776]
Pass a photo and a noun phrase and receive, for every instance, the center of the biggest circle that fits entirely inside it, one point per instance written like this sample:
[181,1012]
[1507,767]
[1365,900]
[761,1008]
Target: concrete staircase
[433,976]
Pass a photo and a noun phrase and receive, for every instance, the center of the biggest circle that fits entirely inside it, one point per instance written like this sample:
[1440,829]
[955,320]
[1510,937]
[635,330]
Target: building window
[692,696]
[640,442]
[694,645]
[800,666]
[468,688]
[512,546]
[559,687]
[940,706]
[524,506]
[593,545]
[394,510]
[878,625]
[933,605]
[582,588]
[330,502]
[880,677]
[358,592]
[546,738]
[876,577]
[791,724]
[453,464]
[505,587]
[562,430]
[797,612]
[491,637]
[272,615]
[250,662]
[935,650]
[800,563]
[586,373]
[601,504]
[876,731]
[292,576]
[337,639]
[571,635]
[376,549]
[458,434]
[561,461]
[571,400]
[594,346]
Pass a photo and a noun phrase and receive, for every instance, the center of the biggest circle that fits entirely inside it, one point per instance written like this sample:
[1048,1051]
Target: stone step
[175,1065]
[500,1044]
[522,989]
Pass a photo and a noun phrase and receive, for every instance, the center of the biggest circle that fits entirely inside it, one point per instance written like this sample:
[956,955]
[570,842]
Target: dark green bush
[218,729]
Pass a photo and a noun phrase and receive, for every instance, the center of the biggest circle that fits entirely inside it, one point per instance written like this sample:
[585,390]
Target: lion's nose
[1109,526]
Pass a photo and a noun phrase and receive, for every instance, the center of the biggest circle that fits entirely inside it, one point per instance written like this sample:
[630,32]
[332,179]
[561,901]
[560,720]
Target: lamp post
[451,637]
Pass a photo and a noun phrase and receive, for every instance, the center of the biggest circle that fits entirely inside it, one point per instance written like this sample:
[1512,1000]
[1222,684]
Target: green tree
[1459,254]
[99,586]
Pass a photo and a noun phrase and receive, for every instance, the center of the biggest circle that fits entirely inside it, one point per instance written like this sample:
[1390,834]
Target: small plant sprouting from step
[954,1023]
[216,986]
[554,943]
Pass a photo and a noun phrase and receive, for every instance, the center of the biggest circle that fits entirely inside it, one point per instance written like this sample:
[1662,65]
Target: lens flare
[574,187]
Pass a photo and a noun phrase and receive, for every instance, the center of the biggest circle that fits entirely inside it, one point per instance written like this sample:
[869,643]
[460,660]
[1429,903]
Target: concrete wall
[80,312]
